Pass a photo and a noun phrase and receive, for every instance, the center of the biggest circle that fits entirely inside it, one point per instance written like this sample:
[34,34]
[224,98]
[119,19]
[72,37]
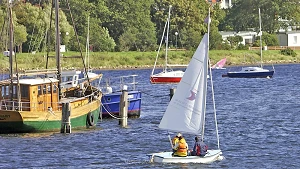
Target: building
[223,3]
[248,36]
[289,38]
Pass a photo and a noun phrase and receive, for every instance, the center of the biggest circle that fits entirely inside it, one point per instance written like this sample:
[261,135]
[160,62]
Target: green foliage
[244,15]
[234,41]
[270,39]
[223,46]
[137,25]
[215,39]
[242,47]
[288,51]
[130,19]
[267,40]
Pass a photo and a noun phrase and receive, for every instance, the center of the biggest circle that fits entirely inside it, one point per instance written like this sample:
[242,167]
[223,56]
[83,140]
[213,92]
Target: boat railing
[125,82]
[7,104]
[27,106]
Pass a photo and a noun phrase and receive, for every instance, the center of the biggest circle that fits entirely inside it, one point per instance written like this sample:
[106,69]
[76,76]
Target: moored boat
[251,72]
[36,104]
[112,93]
[168,75]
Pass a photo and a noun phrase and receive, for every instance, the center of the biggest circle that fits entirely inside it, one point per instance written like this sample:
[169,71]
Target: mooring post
[65,118]
[124,108]
[172,92]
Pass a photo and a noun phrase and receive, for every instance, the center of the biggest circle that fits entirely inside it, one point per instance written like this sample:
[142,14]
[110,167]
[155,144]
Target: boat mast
[57,47]
[208,29]
[260,34]
[87,46]
[167,39]
[11,38]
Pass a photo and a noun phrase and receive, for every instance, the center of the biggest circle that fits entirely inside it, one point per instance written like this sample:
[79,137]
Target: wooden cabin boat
[34,105]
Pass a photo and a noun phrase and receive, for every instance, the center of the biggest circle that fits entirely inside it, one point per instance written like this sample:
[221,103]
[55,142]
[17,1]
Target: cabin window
[3,91]
[75,80]
[39,90]
[14,91]
[49,89]
[24,92]
[45,89]
[54,88]
[69,80]
[6,90]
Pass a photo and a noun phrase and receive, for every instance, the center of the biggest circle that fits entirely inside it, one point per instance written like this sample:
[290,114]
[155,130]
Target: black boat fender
[90,119]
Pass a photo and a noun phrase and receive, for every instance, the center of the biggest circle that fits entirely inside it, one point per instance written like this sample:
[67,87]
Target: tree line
[137,25]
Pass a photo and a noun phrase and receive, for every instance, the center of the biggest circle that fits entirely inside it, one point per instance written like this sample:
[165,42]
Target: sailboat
[220,64]
[187,108]
[168,75]
[253,72]
[36,104]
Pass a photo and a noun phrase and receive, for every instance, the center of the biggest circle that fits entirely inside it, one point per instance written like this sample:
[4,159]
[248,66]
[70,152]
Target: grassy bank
[126,60]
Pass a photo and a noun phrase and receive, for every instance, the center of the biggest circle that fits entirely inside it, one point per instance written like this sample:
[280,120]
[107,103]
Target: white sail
[186,110]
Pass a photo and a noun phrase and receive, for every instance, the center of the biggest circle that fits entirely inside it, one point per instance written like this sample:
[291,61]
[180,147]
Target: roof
[240,33]
[36,81]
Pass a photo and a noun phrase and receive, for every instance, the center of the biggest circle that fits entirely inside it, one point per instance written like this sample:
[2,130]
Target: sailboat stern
[166,157]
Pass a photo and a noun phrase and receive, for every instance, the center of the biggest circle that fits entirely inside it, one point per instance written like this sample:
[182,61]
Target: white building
[248,36]
[289,38]
[223,3]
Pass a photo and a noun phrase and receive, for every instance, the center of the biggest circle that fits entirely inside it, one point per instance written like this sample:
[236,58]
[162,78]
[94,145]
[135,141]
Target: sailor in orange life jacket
[181,147]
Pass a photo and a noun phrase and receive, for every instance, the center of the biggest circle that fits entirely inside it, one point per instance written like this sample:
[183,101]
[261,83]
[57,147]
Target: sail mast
[10,49]
[167,39]
[57,47]
[260,34]
[208,29]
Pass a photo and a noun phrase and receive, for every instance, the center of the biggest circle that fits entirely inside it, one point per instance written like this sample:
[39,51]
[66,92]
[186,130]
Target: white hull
[166,157]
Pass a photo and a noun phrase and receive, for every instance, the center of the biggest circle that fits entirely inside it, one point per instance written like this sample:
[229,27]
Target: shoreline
[5,71]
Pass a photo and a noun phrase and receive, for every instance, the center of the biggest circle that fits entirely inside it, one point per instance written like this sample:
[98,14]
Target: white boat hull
[166,157]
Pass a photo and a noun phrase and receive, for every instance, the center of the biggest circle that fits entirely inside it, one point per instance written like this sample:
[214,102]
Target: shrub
[288,51]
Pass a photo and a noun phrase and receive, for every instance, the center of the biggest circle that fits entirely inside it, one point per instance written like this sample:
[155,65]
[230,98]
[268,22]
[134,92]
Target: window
[6,90]
[14,91]
[295,40]
[39,90]
[24,91]
[49,89]
[54,88]
[45,89]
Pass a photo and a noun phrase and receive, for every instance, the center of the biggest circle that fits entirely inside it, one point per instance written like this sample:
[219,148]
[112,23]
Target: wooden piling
[65,118]
[124,108]
[172,92]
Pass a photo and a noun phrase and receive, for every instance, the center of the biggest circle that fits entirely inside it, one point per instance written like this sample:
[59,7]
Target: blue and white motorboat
[112,92]
[251,72]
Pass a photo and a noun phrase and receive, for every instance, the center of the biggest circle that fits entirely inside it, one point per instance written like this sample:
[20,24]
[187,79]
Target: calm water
[258,122]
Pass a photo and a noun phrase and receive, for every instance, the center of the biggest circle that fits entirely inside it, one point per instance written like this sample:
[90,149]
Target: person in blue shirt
[200,148]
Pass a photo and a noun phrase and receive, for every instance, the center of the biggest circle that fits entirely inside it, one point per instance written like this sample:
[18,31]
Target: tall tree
[131,17]
[244,14]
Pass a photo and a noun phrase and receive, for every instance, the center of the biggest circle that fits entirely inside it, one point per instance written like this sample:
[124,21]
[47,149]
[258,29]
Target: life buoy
[90,119]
